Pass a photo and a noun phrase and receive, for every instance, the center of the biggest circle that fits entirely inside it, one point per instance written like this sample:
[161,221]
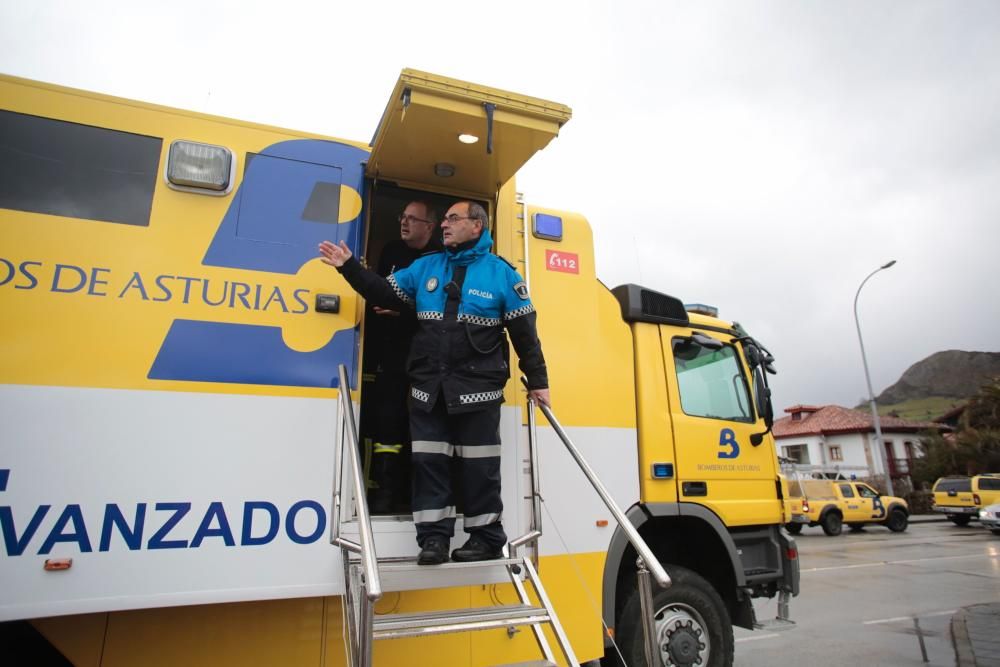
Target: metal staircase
[524,613]
[363,570]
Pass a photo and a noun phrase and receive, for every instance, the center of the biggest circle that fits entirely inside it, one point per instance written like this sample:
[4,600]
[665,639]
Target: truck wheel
[691,623]
[832,523]
[793,528]
[960,519]
[897,521]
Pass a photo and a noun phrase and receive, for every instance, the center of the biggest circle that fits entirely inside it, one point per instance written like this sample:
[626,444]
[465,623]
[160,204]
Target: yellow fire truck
[180,383]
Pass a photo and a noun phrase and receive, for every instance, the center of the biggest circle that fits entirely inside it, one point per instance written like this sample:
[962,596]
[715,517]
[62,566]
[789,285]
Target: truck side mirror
[762,398]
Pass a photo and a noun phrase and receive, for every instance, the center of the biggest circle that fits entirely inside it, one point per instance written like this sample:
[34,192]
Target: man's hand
[335,255]
[379,310]
[540,396]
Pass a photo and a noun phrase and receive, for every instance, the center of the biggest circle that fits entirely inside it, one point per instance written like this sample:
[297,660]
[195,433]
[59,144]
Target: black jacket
[464,299]
[388,337]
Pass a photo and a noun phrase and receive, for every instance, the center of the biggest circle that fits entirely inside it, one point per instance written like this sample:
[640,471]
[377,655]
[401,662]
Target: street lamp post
[871,395]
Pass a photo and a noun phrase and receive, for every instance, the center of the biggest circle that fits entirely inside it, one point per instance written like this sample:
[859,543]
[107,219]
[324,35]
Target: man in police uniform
[464,298]
[387,342]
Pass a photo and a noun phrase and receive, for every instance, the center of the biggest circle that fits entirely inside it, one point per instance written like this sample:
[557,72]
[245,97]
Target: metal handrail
[369,563]
[535,529]
[645,553]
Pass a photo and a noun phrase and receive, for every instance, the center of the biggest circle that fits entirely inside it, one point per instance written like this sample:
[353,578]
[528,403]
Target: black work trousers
[472,441]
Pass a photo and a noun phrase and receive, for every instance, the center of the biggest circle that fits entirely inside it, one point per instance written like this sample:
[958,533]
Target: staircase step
[410,565]
[774,625]
[403,574]
[422,623]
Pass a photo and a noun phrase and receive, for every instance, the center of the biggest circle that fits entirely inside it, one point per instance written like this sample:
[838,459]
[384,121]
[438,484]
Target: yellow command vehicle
[953,497]
[180,382]
[986,489]
[832,503]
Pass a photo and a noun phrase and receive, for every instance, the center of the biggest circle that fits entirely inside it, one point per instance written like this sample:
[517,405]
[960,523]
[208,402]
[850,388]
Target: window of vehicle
[711,382]
[866,491]
[835,453]
[77,171]
[846,491]
[989,483]
[957,484]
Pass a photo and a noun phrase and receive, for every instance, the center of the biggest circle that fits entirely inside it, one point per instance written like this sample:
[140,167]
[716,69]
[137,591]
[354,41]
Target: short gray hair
[477,212]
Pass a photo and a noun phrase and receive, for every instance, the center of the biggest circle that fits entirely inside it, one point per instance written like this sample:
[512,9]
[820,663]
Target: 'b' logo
[728,439]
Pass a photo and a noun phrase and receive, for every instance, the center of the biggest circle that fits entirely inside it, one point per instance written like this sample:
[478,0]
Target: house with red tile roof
[834,436]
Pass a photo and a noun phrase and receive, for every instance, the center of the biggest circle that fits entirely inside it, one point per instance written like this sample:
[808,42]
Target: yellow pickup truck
[953,498]
[961,498]
[832,503]
[986,489]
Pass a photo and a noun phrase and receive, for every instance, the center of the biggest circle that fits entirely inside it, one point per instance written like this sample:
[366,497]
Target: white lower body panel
[172,498]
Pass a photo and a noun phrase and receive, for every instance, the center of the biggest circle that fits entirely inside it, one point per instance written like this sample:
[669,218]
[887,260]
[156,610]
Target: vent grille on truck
[644,305]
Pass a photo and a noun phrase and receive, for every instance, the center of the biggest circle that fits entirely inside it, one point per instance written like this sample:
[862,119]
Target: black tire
[833,523]
[897,521]
[856,527]
[793,528]
[960,519]
[690,599]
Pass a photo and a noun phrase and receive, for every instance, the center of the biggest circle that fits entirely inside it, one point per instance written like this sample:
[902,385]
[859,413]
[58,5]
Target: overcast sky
[762,157]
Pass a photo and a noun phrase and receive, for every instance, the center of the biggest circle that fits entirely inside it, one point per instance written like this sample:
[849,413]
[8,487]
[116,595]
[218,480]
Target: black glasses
[455,217]
[404,217]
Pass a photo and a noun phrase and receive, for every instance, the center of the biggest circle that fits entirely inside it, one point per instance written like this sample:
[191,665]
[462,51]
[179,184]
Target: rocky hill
[948,374]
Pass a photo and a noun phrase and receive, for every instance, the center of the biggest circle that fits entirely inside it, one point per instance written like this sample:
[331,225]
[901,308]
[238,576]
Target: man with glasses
[387,342]
[464,298]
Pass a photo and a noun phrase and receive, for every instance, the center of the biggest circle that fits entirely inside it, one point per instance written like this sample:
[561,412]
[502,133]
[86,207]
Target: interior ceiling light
[468,138]
[444,170]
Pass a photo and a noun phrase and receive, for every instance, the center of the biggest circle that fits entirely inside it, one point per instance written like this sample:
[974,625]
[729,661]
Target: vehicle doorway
[404,224]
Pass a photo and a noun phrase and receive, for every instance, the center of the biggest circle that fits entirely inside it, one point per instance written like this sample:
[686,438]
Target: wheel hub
[682,637]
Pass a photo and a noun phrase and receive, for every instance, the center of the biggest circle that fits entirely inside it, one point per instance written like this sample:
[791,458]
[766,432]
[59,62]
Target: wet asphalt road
[864,594]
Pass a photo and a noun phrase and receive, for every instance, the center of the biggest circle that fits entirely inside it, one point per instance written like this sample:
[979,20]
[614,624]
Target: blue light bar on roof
[701,309]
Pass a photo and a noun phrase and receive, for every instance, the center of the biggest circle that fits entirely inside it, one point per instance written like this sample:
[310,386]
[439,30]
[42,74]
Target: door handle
[694,488]
[327,303]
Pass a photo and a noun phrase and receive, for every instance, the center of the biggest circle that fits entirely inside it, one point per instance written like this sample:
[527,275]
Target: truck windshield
[711,382]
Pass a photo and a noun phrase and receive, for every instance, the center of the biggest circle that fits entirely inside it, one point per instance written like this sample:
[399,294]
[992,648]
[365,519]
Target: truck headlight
[199,167]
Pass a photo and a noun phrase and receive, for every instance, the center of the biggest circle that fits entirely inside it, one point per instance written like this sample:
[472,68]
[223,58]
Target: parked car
[986,489]
[953,497]
[989,518]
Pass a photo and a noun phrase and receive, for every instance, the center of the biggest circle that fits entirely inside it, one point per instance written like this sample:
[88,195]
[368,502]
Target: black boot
[434,551]
[475,549]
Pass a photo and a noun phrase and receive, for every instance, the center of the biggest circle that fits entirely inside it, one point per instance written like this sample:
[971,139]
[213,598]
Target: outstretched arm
[335,255]
[374,288]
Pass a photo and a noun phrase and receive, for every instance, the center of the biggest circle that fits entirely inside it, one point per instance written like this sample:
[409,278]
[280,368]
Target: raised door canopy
[417,140]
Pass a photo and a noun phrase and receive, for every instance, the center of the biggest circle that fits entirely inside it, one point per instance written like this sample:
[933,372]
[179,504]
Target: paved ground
[976,631]
[881,598]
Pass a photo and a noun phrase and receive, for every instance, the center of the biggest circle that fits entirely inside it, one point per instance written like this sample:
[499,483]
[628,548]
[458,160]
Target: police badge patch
[522,290]
[432,284]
